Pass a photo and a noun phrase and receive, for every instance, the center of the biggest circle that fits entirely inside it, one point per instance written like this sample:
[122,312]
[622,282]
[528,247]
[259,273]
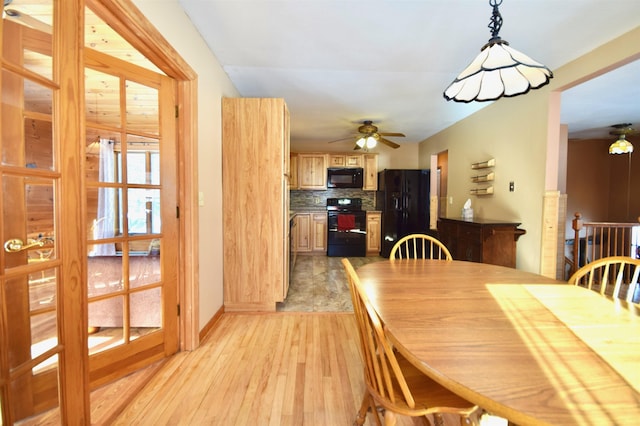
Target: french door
[88,266]
[132,217]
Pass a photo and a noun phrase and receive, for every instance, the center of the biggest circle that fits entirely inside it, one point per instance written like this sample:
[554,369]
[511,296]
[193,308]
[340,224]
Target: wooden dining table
[522,346]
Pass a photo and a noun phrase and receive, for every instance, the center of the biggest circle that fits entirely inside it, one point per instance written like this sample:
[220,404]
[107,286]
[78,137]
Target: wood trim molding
[69,123]
[188,197]
[211,324]
[127,20]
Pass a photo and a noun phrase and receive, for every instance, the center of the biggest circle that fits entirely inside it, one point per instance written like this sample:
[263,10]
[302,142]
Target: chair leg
[362,412]
[437,419]
[368,405]
[389,418]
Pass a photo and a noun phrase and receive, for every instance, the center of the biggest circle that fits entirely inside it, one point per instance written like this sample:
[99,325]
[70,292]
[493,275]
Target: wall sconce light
[498,70]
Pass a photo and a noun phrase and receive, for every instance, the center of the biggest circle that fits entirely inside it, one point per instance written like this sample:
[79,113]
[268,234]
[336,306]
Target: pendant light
[621,146]
[498,70]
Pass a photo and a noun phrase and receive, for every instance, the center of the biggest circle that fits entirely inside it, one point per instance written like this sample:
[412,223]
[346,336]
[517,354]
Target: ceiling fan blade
[343,139]
[627,131]
[389,143]
[400,135]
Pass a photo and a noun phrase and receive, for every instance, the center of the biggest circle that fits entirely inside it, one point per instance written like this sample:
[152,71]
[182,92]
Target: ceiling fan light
[621,146]
[361,142]
[497,71]
[371,142]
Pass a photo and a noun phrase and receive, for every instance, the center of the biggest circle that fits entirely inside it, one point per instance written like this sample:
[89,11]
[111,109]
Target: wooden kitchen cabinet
[373,232]
[293,171]
[312,232]
[345,160]
[319,224]
[312,171]
[337,160]
[481,240]
[370,182]
[255,138]
[303,226]
[309,170]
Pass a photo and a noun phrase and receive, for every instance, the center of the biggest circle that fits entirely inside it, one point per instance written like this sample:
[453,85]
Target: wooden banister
[602,239]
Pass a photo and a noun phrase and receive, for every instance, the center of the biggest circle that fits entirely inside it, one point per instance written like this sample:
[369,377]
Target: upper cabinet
[309,170]
[312,171]
[293,171]
[345,160]
[370,182]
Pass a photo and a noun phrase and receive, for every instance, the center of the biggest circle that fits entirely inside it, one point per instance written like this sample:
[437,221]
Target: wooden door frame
[125,18]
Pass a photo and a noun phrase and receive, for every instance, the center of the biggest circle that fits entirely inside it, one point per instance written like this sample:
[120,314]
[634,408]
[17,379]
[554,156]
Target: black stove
[346,227]
[344,204]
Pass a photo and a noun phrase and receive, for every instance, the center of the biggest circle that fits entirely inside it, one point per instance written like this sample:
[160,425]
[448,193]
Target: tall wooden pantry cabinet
[255,185]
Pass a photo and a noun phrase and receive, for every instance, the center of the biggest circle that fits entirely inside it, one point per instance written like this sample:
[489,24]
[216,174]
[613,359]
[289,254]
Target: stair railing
[603,239]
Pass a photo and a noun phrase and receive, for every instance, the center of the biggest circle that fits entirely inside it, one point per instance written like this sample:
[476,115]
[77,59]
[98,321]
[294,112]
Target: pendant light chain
[496,20]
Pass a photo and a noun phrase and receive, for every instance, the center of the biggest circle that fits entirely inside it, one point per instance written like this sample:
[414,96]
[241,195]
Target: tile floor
[319,284]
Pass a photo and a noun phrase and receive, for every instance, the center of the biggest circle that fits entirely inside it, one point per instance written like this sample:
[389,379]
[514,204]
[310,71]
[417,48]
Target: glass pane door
[131,215]
[29,179]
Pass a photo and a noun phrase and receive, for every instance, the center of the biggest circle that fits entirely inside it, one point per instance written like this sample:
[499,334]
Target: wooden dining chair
[419,246]
[392,382]
[614,276]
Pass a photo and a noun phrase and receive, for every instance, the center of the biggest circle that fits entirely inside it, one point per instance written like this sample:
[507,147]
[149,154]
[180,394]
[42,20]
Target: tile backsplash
[305,199]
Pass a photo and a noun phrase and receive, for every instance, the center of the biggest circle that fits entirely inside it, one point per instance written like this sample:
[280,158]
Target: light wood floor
[284,368]
[261,369]
[280,369]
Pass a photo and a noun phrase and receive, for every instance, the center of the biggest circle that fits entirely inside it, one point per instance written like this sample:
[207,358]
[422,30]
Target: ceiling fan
[368,137]
[623,129]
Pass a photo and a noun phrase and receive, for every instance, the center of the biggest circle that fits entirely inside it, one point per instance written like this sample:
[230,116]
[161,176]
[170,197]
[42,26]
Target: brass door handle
[15,245]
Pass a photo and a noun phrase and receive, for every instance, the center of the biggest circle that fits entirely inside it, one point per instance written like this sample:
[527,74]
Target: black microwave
[345,178]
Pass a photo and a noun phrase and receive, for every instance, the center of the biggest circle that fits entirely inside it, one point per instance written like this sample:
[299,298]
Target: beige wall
[516,132]
[169,18]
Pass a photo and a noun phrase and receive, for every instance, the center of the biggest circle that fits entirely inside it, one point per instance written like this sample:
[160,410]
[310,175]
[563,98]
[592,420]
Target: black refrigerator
[403,198]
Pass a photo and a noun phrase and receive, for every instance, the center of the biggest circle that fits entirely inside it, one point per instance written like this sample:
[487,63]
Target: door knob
[15,245]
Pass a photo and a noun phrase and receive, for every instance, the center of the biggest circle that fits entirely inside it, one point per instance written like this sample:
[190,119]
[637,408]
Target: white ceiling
[337,63]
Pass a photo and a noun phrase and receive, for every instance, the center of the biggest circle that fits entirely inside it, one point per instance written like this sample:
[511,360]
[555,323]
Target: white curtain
[104,227]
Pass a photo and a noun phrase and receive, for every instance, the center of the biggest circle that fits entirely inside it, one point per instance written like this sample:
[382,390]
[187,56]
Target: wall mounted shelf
[483,178]
[484,164]
[482,191]
[488,176]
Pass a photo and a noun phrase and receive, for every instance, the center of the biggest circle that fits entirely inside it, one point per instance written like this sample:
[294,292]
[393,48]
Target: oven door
[347,233]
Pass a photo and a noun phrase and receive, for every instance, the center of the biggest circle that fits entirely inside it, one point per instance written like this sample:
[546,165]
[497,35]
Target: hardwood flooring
[279,369]
[283,368]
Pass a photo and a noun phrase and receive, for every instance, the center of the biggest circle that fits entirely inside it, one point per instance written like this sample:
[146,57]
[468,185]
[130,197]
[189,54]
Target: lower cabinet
[481,240]
[312,232]
[373,232]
